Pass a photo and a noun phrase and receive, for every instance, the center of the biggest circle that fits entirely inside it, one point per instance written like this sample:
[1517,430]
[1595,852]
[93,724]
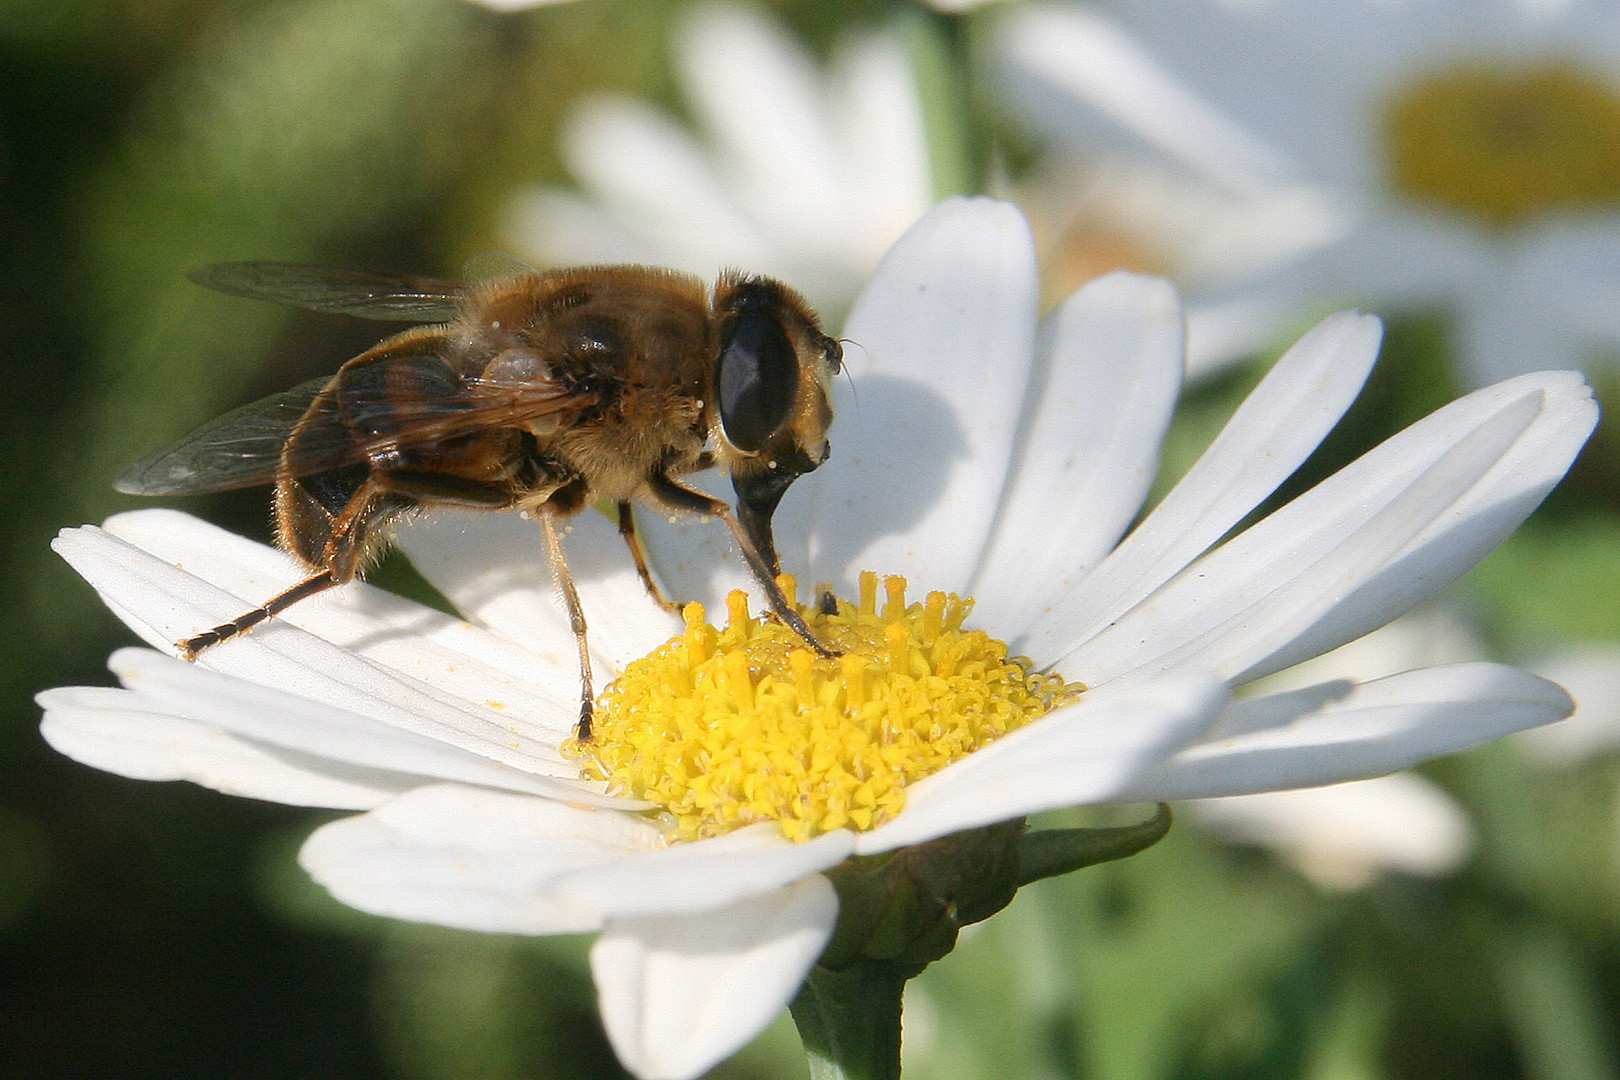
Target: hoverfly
[536,391]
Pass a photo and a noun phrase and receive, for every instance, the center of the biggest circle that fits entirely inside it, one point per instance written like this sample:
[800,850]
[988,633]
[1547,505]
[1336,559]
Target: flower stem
[849,1020]
[939,61]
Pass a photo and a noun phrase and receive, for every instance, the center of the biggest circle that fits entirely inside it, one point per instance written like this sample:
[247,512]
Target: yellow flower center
[1504,144]
[724,728]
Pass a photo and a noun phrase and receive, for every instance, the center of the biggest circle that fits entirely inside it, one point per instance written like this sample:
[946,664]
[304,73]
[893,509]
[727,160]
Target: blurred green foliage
[164,931]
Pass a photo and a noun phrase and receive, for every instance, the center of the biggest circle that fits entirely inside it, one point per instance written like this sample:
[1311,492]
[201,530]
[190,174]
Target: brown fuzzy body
[550,390]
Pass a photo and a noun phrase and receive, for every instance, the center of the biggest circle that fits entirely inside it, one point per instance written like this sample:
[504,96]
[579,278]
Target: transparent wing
[240,449]
[345,292]
[484,265]
[411,408]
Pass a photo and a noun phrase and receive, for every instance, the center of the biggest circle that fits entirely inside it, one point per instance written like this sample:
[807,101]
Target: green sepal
[905,907]
[1051,852]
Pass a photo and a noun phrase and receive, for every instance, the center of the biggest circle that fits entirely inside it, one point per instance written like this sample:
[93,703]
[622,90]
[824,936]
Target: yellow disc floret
[1502,143]
[724,728]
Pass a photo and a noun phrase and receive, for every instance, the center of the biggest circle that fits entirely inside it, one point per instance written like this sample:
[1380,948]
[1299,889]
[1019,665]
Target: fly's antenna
[843,369]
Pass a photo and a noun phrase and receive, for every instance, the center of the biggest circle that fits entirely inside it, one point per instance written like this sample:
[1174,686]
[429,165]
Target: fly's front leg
[576,615]
[680,497]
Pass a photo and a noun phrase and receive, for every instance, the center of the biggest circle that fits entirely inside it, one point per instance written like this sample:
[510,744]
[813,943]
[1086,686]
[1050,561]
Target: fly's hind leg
[340,541]
[317,582]
[337,569]
[332,523]
[638,552]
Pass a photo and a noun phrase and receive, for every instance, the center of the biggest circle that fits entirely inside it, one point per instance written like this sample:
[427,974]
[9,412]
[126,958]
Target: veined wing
[240,449]
[386,297]
[409,405]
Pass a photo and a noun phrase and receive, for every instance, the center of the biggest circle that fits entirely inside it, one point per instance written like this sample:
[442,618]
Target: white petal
[1342,835]
[1108,373]
[472,858]
[553,227]
[393,661]
[1230,329]
[693,559]
[679,994]
[1069,64]
[656,178]
[106,728]
[1474,525]
[287,722]
[1375,539]
[758,94]
[697,560]
[887,178]
[941,346]
[494,569]
[1296,740]
[456,659]
[1277,427]
[1090,752]
[453,660]
[1437,634]
[706,874]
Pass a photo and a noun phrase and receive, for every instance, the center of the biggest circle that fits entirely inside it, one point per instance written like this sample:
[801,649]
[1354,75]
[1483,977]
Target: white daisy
[1458,155]
[975,452]
[804,175]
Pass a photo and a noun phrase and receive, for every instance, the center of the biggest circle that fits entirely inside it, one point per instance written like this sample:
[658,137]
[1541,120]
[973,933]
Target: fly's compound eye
[757,379]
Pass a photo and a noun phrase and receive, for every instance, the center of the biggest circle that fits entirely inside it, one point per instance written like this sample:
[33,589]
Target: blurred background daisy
[1454,157]
[1451,165]
[803,171]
